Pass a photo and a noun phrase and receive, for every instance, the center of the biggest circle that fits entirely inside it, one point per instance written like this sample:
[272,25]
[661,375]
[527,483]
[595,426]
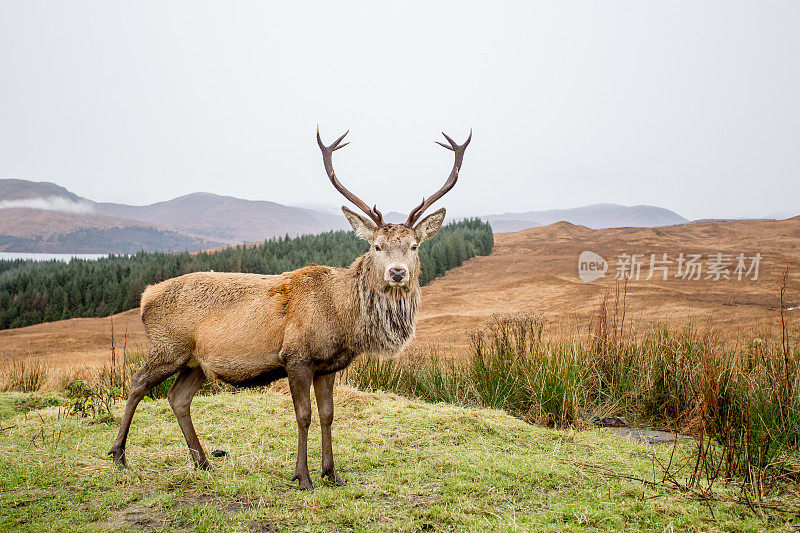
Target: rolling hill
[30,223]
[25,229]
[228,219]
[44,217]
[15,190]
[536,270]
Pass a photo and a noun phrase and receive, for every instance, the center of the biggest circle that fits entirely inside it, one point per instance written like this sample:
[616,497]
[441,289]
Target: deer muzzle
[396,274]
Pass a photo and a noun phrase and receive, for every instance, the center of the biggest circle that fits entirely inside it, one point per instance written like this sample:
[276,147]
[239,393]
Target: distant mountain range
[45,217]
[597,216]
[229,219]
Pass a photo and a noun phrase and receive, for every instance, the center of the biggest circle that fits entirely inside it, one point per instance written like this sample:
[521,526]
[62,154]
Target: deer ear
[364,228]
[430,225]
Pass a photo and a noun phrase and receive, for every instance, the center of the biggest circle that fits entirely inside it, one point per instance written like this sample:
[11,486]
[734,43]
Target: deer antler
[327,158]
[451,180]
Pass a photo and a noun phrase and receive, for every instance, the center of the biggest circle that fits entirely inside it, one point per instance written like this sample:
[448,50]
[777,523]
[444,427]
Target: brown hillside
[72,343]
[31,223]
[228,219]
[54,231]
[16,189]
[536,270]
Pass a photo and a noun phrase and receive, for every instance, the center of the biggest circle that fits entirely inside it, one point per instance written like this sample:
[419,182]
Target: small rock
[609,421]
[615,421]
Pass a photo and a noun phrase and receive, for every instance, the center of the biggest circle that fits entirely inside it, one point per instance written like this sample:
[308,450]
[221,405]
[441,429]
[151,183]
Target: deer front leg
[180,397]
[323,389]
[300,387]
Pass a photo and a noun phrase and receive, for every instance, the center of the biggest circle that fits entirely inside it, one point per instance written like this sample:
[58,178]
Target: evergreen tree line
[32,292]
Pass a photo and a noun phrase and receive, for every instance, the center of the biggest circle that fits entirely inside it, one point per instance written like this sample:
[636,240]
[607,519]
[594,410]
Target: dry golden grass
[536,270]
[71,343]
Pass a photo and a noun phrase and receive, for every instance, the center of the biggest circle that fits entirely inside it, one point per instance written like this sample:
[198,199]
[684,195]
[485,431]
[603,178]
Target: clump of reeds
[508,367]
[750,406]
[23,375]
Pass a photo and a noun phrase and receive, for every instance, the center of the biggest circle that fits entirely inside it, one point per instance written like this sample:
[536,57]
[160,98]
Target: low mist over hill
[597,216]
[44,217]
[15,190]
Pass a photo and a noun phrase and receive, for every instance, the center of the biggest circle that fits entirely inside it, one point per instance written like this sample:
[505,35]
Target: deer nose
[397,274]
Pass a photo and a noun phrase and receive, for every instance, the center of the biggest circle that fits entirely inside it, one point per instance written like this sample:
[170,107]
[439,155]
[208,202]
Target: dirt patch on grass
[152,518]
[231,505]
[263,526]
[136,517]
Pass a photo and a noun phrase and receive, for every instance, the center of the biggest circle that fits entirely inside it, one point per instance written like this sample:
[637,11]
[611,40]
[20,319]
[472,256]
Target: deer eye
[413,246]
[377,248]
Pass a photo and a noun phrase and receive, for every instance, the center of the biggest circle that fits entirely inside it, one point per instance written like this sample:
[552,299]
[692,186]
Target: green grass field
[409,466]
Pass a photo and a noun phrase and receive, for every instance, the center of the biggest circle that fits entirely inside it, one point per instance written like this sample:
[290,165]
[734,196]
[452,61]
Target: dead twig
[699,495]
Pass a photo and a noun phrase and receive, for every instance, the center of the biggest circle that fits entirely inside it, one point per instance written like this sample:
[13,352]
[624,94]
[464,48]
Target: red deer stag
[250,329]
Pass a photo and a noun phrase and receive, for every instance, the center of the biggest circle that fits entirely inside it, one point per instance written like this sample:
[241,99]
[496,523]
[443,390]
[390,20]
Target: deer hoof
[334,479]
[203,464]
[118,456]
[305,482]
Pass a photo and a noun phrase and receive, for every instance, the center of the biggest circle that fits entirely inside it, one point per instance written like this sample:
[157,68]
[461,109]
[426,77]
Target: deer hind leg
[323,390]
[300,387]
[180,397]
[155,370]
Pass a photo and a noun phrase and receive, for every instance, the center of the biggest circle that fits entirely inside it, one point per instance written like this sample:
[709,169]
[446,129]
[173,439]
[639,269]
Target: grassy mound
[410,465]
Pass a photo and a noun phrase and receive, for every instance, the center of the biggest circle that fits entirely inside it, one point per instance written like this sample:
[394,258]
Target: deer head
[393,247]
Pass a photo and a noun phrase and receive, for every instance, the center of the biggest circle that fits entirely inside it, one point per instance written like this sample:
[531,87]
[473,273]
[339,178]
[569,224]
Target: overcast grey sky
[689,105]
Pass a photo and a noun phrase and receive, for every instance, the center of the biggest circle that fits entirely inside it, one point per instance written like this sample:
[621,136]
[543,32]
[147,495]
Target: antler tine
[451,180]
[327,159]
[453,144]
[378,214]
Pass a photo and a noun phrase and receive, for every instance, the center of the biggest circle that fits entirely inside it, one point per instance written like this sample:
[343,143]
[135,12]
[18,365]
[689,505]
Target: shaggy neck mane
[389,315]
